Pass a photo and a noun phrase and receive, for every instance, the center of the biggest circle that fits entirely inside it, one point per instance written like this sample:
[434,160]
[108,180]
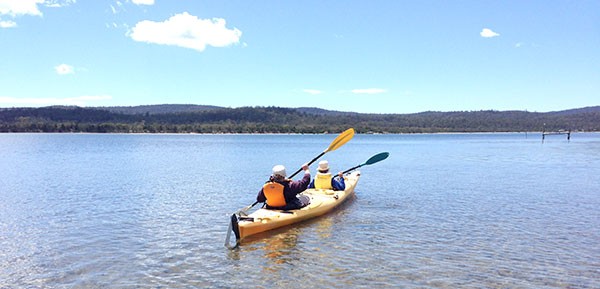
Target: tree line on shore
[285,120]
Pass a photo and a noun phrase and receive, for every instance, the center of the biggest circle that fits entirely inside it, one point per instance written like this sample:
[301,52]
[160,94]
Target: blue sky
[364,56]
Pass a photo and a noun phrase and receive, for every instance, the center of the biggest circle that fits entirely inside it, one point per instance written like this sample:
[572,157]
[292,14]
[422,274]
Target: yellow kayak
[321,202]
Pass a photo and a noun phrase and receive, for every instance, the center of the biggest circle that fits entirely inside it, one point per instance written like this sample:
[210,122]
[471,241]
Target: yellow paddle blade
[339,141]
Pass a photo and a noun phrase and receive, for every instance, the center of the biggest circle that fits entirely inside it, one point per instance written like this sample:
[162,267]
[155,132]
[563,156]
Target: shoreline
[274,133]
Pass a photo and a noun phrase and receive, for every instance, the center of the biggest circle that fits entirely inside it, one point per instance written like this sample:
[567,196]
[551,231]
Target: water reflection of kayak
[321,202]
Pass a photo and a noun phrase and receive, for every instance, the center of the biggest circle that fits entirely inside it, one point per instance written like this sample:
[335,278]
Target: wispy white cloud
[312,91]
[16,8]
[118,7]
[369,91]
[8,24]
[488,33]
[188,31]
[78,101]
[143,2]
[63,69]
[58,3]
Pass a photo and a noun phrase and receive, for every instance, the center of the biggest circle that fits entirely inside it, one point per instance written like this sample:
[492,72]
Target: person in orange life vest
[280,193]
[324,180]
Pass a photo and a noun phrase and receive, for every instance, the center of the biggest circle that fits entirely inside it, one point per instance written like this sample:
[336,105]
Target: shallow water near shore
[443,211]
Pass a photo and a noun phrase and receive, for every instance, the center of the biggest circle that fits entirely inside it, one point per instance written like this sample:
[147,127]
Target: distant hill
[589,109]
[173,118]
[320,111]
[184,108]
[158,109]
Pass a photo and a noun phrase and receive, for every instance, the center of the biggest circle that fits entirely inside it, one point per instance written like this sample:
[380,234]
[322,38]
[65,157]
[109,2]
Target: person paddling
[280,193]
[324,180]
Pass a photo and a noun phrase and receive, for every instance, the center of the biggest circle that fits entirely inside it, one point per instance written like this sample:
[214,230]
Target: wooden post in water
[559,132]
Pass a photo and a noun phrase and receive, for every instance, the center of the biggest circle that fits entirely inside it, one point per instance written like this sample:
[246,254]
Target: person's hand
[341,175]
[305,167]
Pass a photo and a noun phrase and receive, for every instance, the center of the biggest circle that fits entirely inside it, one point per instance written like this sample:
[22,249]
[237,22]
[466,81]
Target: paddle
[335,144]
[374,159]
[339,141]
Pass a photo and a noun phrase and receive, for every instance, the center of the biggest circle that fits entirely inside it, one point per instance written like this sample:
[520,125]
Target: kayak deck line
[261,220]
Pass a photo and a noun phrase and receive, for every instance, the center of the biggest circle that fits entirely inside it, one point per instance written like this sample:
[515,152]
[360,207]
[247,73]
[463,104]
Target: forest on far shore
[212,119]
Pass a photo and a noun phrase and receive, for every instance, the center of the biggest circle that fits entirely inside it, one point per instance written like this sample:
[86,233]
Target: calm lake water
[443,211]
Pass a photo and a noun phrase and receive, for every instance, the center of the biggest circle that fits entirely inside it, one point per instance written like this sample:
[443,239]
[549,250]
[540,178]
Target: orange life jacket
[274,193]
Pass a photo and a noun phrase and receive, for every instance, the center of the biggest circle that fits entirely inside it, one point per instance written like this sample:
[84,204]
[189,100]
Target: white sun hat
[323,166]
[279,170]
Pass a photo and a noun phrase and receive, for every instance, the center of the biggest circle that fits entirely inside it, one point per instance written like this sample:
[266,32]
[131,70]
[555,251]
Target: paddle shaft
[309,163]
[374,159]
[354,168]
[249,207]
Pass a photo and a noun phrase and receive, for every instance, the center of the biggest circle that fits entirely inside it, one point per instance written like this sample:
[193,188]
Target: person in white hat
[324,180]
[280,193]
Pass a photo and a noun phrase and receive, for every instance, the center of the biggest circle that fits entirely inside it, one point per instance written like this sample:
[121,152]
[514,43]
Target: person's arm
[338,183]
[261,197]
[301,185]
